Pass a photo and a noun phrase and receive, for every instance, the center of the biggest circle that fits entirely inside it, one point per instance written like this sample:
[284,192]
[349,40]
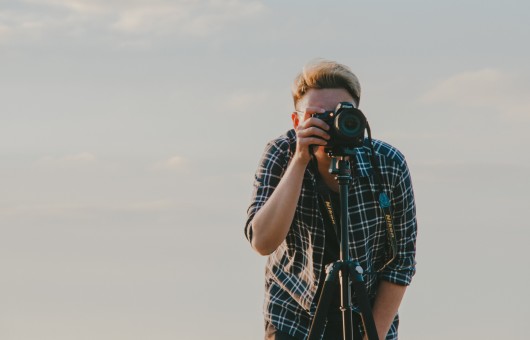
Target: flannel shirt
[293,270]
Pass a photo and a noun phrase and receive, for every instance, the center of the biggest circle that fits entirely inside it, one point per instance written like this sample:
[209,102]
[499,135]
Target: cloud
[79,6]
[82,158]
[14,24]
[487,88]
[172,163]
[477,88]
[180,18]
[183,18]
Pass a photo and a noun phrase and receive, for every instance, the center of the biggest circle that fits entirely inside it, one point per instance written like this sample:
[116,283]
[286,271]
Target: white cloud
[193,18]
[69,160]
[14,24]
[182,18]
[80,6]
[152,18]
[488,88]
[477,88]
[172,163]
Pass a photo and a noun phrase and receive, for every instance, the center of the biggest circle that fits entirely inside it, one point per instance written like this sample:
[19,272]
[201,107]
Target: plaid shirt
[293,270]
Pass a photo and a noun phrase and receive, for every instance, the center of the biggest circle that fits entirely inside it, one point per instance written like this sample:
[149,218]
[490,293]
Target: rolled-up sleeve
[403,268]
[270,170]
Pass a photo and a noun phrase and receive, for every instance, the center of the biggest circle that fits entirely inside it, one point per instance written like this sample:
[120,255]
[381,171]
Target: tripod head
[340,166]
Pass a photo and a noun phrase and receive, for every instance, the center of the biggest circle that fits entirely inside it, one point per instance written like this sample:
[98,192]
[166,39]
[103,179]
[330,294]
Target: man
[288,222]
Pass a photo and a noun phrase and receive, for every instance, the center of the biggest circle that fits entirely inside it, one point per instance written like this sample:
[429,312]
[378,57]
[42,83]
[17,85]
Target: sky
[130,132]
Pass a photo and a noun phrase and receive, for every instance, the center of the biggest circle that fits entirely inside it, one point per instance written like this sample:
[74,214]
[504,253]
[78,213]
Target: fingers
[314,122]
[312,126]
[311,132]
[310,110]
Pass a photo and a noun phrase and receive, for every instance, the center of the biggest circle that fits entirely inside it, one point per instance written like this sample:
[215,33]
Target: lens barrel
[349,125]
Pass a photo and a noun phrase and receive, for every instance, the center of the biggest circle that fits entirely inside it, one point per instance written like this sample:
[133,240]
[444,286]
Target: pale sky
[130,132]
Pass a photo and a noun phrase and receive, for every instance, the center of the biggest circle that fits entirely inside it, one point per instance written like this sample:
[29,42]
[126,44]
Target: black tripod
[345,269]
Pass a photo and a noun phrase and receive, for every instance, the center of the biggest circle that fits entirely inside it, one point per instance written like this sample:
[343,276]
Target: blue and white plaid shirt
[293,270]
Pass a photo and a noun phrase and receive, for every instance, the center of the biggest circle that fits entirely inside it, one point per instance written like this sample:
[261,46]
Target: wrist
[300,162]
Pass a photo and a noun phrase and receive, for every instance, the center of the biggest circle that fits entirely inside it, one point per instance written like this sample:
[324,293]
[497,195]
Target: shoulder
[279,151]
[284,144]
[388,152]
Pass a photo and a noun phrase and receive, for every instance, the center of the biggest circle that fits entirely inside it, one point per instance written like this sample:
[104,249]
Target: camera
[347,127]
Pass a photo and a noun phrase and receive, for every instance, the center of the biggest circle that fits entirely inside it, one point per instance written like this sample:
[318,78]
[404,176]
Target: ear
[295,117]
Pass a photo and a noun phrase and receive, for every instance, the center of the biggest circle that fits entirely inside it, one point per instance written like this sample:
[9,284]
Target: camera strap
[384,204]
[324,195]
[391,253]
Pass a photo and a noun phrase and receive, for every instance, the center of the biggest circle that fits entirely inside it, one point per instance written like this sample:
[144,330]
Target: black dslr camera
[347,128]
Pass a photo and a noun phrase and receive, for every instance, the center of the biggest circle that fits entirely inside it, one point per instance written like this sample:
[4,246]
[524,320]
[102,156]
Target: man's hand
[310,132]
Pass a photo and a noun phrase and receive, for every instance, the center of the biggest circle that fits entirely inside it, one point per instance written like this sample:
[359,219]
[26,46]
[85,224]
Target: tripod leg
[347,327]
[328,291]
[363,301]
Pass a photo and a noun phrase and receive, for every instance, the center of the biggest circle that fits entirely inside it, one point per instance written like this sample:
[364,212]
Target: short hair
[325,74]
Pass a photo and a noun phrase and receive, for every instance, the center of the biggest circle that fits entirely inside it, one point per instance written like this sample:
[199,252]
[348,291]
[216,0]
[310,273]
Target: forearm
[387,301]
[272,222]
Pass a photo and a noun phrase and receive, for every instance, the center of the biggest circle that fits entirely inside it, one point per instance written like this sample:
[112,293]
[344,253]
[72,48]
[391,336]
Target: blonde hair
[325,74]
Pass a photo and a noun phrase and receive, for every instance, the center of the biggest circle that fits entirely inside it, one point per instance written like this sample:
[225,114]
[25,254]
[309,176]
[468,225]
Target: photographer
[288,222]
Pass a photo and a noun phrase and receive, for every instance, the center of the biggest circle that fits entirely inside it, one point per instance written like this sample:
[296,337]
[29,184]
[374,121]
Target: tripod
[344,269]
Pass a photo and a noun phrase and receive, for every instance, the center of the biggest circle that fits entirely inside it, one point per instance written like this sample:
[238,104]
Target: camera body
[347,128]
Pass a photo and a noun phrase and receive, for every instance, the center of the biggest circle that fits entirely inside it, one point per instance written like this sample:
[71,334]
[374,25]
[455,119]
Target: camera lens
[349,125]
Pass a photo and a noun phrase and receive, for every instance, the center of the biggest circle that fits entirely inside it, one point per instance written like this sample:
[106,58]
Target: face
[319,99]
